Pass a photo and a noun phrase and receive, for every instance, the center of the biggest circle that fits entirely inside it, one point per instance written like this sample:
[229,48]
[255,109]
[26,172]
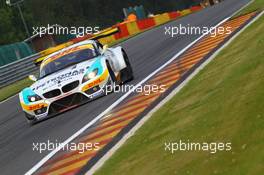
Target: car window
[67,60]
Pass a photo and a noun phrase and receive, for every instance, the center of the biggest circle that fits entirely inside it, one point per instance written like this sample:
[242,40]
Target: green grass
[223,103]
[13,89]
[256,5]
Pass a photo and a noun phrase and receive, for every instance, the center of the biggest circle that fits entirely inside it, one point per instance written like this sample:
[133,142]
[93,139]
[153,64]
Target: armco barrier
[132,28]
[195,8]
[107,40]
[161,19]
[174,15]
[145,23]
[17,70]
[123,31]
[185,12]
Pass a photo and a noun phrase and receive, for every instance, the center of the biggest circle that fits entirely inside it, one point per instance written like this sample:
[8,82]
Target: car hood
[59,79]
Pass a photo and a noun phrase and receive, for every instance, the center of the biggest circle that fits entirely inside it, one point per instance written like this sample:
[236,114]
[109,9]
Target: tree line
[102,13]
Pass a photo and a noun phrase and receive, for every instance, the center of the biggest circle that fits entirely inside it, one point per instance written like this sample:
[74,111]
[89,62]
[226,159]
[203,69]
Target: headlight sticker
[94,70]
[27,94]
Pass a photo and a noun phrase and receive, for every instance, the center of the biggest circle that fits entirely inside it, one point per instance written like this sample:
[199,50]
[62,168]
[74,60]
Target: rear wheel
[127,73]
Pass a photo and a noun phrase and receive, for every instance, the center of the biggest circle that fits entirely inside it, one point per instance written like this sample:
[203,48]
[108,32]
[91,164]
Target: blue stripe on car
[96,64]
[27,92]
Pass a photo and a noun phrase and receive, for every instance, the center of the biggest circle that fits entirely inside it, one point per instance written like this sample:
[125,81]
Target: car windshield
[66,61]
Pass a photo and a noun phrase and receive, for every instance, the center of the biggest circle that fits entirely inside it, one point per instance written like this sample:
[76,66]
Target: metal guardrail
[17,70]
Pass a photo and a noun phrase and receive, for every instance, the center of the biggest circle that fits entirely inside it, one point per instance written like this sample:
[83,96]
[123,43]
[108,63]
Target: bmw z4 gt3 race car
[72,76]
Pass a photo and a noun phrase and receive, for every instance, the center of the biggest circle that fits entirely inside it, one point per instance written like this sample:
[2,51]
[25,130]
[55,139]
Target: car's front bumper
[82,94]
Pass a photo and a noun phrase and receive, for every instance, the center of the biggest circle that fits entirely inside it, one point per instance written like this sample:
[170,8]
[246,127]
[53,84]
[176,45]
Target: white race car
[72,76]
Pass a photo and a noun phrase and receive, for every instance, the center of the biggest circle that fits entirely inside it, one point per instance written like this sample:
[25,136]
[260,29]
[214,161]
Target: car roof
[86,42]
[71,46]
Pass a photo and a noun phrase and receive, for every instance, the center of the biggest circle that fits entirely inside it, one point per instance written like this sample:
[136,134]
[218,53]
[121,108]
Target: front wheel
[30,119]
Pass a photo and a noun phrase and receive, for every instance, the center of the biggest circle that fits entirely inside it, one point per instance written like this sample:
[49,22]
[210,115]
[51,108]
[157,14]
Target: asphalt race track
[146,51]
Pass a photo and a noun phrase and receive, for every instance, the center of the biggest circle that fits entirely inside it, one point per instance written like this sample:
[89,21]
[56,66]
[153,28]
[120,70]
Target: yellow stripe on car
[33,107]
[97,81]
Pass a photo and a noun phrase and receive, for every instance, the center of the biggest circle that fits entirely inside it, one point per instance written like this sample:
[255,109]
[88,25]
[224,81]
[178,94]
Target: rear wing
[105,33]
[102,34]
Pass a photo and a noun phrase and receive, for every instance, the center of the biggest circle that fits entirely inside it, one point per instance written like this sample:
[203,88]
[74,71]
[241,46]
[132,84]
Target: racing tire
[30,119]
[126,73]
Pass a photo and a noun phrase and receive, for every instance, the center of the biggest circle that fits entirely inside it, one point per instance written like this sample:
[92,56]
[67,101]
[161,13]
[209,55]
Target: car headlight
[34,98]
[90,75]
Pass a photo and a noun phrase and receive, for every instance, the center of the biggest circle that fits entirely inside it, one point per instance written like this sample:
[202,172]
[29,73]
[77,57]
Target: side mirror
[32,77]
[105,47]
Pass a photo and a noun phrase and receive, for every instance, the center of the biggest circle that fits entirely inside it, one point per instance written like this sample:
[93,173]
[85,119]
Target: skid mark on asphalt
[119,118]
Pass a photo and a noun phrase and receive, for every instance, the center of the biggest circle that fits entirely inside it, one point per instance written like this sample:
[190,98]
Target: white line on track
[79,132]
